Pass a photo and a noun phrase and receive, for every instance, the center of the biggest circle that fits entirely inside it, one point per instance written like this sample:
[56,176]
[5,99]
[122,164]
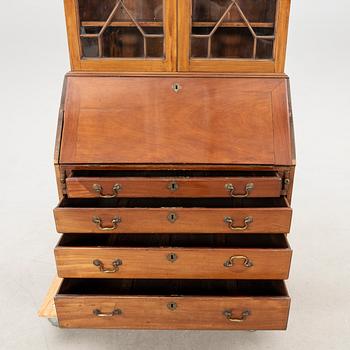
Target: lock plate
[172,217]
[172,306]
[176,87]
[172,257]
[173,186]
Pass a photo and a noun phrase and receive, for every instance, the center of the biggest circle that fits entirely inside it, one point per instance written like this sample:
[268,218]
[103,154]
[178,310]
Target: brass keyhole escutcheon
[172,257]
[176,87]
[172,217]
[172,306]
[173,186]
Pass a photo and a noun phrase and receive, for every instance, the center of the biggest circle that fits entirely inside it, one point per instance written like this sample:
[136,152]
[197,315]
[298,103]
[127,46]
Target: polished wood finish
[264,186]
[177,29]
[185,63]
[282,20]
[168,63]
[172,257]
[174,130]
[244,121]
[204,313]
[201,311]
[143,218]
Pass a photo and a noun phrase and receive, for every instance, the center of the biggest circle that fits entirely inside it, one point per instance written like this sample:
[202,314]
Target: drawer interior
[260,241]
[173,287]
[174,202]
[171,173]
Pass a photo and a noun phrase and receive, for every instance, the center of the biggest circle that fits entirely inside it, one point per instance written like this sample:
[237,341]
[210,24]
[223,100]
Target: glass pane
[121,28]
[241,29]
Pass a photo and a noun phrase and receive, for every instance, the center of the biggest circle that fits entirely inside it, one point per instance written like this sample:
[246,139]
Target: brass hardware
[229,221]
[176,87]
[246,263]
[172,306]
[229,315]
[173,186]
[248,188]
[172,257]
[99,189]
[99,313]
[98,221]
[101,266]
[172,217]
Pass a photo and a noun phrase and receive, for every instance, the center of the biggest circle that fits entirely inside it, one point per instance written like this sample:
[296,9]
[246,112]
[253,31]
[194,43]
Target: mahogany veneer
[174,163]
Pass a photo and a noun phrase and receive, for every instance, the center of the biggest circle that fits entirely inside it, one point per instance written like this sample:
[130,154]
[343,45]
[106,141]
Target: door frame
[188,64]
[166,64]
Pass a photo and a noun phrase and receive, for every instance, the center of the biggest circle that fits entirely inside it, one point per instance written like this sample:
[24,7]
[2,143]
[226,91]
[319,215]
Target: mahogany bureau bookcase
[175,162]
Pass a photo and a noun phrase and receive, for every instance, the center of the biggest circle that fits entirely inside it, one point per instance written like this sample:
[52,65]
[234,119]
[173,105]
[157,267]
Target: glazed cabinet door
[122,35]
[232,35]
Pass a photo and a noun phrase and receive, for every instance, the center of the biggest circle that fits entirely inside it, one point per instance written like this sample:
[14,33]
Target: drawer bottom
[173,304]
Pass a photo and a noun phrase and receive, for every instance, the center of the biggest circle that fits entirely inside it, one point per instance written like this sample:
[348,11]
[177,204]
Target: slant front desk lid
[182,120]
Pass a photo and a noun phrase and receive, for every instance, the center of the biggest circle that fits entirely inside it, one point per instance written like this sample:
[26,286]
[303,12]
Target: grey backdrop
[33,60]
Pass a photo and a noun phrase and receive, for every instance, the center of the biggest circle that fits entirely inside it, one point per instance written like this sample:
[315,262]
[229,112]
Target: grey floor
[33,60]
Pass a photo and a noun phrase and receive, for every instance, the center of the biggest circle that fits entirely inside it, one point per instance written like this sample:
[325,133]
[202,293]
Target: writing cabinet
[174,167]
[171,35]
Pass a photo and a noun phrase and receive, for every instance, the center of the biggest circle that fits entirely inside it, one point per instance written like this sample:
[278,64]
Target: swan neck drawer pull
[99,313]
[229,315]
[99,223]
[231,189]
[99,190]
[246,261]
[230,222]
[101,266]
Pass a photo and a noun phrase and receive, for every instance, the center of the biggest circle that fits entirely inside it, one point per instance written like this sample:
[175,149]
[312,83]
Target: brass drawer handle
[99,189]
[246,263]
[98,221]
[99,313]
[231,189]
[101,266]
[229,315]
[229,221]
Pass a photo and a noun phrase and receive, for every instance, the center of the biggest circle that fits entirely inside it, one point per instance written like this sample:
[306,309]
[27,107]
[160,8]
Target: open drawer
[172,304]
[107,184]
[173,215]
[174,256]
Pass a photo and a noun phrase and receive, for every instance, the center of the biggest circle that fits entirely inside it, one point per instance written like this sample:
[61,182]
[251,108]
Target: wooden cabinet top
[176,120]
[177,35]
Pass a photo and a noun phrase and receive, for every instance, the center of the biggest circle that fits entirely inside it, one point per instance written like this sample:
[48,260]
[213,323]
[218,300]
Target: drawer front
[94,187]
[173,220]
[138,312]
[203,263]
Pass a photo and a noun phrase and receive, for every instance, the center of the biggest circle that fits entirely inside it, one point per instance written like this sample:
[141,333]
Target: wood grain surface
[77,262]
[82,187]
[138,312]
[188,220]
[209,121]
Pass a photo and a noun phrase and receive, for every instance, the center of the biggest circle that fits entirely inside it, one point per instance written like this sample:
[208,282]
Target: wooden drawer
[174,256]
[172,304]
[173,215]
[94,184]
